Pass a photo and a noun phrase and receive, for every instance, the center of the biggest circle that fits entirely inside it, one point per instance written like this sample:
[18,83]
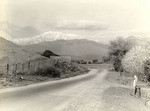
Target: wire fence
[31,66]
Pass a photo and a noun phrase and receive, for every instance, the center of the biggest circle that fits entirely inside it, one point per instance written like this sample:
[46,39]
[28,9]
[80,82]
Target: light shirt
[135,81]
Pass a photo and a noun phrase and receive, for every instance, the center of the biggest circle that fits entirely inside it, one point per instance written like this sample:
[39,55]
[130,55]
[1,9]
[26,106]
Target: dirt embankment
[118,97]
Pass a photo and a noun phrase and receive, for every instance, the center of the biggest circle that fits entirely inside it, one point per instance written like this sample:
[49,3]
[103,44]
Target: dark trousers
[137,89]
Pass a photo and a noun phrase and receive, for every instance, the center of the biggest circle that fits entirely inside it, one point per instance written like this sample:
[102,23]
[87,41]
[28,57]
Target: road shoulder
[118,97]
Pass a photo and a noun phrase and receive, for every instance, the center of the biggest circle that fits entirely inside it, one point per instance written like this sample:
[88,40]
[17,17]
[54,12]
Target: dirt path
[81,93]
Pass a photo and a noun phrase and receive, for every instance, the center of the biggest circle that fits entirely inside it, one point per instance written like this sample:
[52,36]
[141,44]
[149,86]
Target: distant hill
[12,53]
[78,49]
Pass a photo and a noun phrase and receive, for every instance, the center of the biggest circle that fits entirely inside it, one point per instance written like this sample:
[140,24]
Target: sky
[93,19]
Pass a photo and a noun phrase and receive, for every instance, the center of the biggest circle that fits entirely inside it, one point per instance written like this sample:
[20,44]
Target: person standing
[135,86]
[135,81]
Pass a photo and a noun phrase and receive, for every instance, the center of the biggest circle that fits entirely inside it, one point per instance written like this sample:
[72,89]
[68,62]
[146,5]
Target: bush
[54,72]
[62,68]
[135,59]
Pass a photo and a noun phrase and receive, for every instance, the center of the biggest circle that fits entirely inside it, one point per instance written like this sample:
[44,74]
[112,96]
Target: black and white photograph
[74,55]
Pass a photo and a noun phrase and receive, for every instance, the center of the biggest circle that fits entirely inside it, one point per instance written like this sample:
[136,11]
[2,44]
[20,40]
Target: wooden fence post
[7,69]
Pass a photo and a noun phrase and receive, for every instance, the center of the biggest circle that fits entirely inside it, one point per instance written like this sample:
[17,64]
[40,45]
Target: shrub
[134,60]
[61,68]
[54,72]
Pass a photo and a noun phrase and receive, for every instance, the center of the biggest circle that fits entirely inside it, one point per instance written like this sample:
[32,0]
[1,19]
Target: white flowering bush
[136,57]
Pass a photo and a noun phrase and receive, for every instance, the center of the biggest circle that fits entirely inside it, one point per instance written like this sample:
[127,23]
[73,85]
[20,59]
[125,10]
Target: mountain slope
[81,49]
[12,53]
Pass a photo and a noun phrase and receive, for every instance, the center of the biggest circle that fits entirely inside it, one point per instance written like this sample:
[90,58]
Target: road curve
[80,93]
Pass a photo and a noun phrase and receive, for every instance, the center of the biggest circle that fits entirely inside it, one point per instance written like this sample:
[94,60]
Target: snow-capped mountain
[5,35]
[46,37]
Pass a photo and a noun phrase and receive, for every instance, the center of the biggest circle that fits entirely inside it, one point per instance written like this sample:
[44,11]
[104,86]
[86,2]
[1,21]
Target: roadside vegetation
[131,55]
[60,70]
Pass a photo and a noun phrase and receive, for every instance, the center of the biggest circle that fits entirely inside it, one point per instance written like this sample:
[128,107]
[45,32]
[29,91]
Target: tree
[48,53]
[117,49]
[95,61]
[137,59]
[105,59]
[147,70]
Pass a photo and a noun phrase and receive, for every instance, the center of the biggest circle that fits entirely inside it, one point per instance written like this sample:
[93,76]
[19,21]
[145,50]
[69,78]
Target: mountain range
[30,40]
[77,48]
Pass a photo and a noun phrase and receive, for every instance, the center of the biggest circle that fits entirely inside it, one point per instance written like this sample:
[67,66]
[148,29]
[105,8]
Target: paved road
[80,93]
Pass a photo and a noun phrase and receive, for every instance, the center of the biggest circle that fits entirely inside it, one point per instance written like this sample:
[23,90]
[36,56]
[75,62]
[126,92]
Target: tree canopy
[117,50]
[48,53]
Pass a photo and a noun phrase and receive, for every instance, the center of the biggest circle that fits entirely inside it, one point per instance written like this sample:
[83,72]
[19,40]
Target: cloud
[81,25]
